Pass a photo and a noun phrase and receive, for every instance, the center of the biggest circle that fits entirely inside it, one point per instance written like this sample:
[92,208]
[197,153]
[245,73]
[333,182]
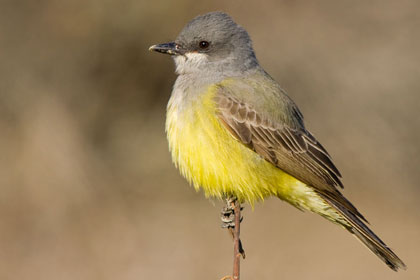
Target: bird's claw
[228,214]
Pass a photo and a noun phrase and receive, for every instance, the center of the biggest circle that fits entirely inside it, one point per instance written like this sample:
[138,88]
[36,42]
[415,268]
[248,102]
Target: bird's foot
[228,220]
[228,213]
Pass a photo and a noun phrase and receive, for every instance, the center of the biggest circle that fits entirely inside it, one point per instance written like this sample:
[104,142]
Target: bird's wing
[292,149]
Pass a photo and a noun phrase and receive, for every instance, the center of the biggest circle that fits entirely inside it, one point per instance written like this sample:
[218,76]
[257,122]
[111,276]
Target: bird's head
[208,43]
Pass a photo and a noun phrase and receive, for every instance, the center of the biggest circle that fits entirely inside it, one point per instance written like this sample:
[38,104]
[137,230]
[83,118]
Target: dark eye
[203,45]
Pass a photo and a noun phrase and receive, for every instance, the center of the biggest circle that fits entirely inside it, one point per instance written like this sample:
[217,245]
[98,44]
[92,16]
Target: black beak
[168,48]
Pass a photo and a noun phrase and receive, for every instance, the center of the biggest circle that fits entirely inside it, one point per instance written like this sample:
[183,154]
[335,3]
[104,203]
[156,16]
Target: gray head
[211,43]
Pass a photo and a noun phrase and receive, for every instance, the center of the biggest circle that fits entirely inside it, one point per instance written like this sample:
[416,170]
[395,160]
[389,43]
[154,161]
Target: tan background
[88,190]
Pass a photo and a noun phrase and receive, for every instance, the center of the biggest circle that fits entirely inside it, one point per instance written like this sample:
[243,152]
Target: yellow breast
[210,158]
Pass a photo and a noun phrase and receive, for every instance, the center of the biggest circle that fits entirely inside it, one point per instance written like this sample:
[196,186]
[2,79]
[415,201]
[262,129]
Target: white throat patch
[190,62]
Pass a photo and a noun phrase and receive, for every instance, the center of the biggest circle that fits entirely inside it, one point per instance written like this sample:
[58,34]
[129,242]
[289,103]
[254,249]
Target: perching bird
[234,132]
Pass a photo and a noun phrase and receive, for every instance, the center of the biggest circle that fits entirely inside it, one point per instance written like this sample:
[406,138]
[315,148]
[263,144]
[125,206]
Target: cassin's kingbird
[234,132]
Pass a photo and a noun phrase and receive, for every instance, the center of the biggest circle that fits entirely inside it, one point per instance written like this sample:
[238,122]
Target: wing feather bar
[292,149]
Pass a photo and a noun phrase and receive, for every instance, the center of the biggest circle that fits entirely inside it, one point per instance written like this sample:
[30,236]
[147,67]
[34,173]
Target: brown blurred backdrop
[88,190]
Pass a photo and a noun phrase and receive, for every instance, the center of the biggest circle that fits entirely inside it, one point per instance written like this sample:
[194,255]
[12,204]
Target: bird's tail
[360,230]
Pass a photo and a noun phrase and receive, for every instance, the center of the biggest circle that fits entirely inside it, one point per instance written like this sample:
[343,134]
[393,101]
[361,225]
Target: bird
[234,132]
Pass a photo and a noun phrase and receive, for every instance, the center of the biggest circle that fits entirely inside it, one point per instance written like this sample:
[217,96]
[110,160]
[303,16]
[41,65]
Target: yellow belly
[210,158]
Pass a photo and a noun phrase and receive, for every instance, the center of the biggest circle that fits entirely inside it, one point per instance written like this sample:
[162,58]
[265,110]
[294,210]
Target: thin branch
[237,248]
[231,219]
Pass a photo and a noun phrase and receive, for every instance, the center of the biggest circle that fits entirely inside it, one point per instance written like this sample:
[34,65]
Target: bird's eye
[203,45]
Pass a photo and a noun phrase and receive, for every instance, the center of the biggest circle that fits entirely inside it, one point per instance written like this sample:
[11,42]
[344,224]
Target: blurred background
[88,190]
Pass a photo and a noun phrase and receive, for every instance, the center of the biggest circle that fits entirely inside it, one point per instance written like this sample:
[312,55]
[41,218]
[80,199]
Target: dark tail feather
[367,237]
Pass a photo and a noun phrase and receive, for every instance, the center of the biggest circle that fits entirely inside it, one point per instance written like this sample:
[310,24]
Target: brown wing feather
[294,150]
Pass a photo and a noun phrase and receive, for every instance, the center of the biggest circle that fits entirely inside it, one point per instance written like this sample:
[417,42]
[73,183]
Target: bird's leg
[228,213]
[231,219]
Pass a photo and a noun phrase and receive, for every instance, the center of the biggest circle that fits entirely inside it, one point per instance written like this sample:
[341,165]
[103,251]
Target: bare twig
[236,240]
[231,219]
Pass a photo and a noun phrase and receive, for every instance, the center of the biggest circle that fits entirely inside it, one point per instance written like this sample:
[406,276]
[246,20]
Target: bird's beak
[169,48]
